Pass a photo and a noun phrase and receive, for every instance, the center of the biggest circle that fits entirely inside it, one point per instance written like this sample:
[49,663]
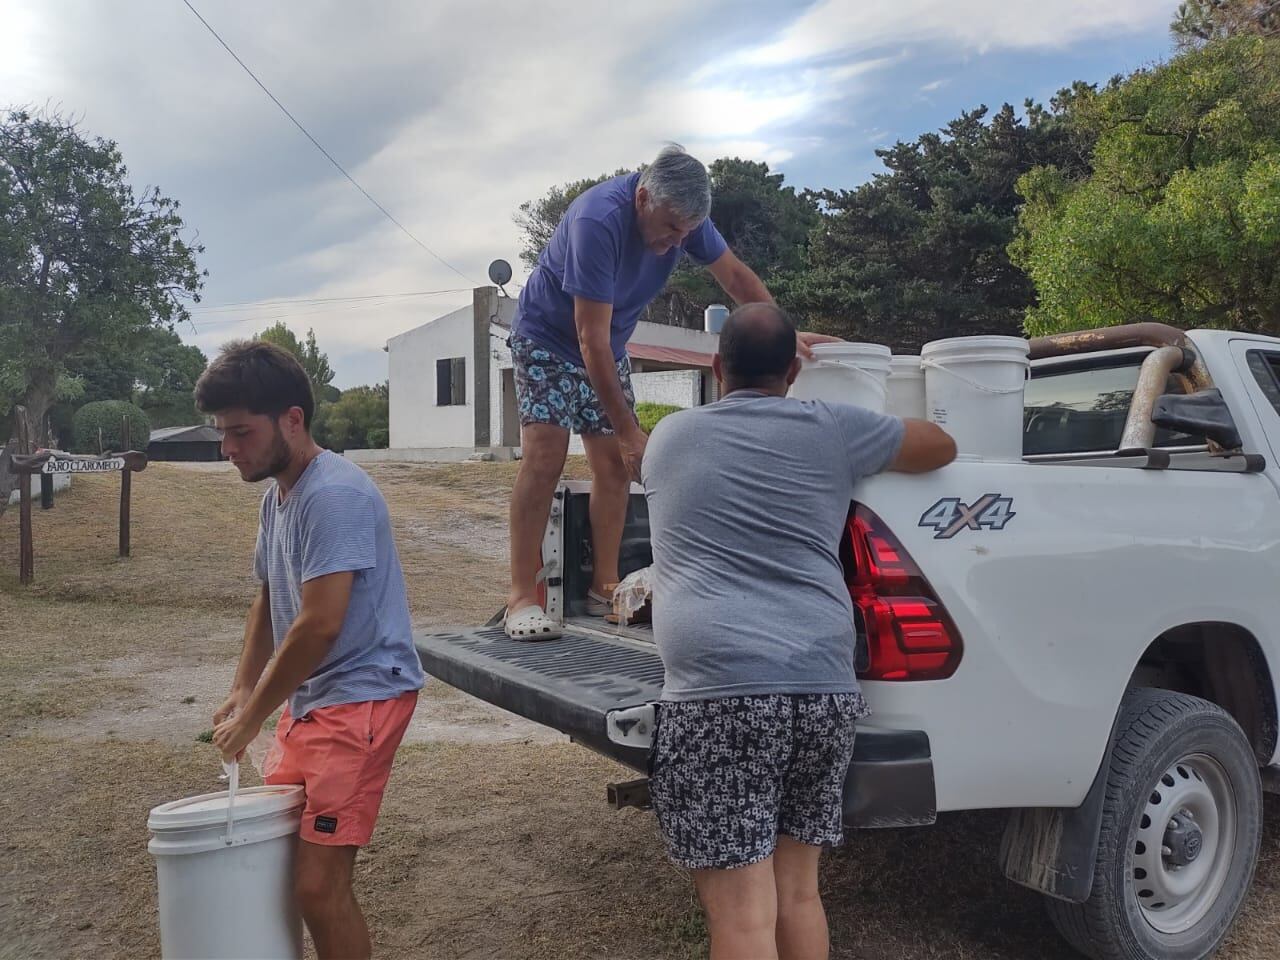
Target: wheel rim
[1183,844]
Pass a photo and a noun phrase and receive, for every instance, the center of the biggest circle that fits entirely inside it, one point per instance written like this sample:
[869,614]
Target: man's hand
[805,341]
[233,735]
[632,445]
[234,704]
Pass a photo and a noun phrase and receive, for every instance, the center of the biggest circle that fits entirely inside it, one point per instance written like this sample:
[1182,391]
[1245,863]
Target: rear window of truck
[1074,409]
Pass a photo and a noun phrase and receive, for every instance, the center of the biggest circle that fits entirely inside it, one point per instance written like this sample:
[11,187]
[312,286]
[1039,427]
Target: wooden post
[46,491]
[126,488]
[26,550]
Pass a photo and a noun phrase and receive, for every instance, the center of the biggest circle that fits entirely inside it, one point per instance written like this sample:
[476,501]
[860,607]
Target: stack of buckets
[972,387]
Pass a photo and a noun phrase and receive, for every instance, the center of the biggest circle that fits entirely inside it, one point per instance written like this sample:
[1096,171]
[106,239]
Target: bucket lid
[852,351]
[902,364]
[211,808]
[976,345]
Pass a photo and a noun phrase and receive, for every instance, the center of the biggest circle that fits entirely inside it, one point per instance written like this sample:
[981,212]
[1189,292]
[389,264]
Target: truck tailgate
[569,684]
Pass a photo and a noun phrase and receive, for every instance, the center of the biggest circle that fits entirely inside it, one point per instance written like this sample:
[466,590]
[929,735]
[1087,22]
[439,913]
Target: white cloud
[935,85]
[835,27]
[451,113]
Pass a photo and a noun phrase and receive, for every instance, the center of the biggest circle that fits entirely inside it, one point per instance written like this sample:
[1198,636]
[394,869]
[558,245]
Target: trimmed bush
[108,415]
[650,413]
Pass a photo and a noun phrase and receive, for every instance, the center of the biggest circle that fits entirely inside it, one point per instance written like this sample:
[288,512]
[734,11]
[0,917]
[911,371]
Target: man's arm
[592,320]
[739,281]
[258,646]
[925,446]
[319,621]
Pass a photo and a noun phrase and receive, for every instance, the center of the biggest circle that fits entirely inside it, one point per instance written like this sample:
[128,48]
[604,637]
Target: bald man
[748,499]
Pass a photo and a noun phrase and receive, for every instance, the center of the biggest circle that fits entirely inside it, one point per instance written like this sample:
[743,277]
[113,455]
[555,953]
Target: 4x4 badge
[949,515]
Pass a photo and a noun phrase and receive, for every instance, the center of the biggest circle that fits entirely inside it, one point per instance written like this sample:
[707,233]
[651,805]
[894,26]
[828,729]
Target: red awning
[688,358]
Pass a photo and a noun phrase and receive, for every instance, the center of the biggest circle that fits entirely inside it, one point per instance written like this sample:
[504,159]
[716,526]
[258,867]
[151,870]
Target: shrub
[108,416]
[650,413]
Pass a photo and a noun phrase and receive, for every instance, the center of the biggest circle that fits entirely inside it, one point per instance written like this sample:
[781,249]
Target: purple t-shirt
[597,253]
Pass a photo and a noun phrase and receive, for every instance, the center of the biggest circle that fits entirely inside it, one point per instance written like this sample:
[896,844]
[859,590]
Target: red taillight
[908,634]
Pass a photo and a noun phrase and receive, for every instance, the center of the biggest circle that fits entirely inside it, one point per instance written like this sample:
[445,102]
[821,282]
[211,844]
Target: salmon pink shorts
[342,757]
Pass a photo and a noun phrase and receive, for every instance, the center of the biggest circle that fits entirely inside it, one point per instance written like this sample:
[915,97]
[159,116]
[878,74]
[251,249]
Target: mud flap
[1053,849]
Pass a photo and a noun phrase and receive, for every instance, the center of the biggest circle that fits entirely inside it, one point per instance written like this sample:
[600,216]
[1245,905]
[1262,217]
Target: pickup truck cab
[1086,638]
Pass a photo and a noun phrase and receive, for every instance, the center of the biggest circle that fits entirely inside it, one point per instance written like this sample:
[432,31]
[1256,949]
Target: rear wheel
[1181,825]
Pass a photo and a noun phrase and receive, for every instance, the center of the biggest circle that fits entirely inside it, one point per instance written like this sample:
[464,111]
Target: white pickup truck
[1087,638]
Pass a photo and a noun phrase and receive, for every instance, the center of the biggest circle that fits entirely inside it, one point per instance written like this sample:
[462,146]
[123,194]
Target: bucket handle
[881,389]
[980,387]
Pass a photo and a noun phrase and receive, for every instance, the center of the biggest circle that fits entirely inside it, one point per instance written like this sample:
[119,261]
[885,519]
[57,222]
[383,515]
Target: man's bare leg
[322,887]
[742,911]
[802,923]
[543,449]
[610,489]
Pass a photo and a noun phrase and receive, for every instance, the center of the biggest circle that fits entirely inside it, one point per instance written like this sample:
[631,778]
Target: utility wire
[328,156]
[274,302]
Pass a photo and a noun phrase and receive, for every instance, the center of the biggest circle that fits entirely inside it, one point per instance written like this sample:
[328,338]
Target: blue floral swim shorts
[550,389]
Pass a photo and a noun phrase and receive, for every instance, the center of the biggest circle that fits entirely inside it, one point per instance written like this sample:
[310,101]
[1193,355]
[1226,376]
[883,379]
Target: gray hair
[680,182]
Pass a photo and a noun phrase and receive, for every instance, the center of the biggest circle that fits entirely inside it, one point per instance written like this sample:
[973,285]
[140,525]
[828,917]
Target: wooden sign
[79,465]
[27,463]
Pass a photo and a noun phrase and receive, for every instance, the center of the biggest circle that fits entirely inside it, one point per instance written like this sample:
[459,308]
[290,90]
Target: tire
[1174,898]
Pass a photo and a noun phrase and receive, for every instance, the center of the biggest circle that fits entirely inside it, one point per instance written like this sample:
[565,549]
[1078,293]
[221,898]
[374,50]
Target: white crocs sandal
[531,623]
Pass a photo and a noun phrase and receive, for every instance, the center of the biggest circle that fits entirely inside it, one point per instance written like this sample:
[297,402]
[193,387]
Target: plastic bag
[632,594]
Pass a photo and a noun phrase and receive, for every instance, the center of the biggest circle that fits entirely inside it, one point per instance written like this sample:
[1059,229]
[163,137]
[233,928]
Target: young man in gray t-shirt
[748,498]
[328,631]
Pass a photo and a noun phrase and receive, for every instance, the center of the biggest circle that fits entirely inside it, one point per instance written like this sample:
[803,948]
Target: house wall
[680,388]
[415,419]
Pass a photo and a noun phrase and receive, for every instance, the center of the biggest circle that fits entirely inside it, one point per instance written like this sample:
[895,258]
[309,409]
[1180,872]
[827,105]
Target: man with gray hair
[611,254]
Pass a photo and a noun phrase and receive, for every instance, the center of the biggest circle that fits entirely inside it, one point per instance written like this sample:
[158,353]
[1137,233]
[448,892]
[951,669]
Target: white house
[452,386]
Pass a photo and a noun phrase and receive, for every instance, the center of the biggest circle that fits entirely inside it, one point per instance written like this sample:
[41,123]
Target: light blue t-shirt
[597,253]
[748,499]
[335,520]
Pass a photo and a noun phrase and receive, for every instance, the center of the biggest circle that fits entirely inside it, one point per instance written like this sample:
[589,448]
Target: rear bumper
[890,782]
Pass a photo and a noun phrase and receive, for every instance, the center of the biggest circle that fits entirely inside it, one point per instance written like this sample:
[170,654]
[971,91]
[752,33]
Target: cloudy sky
[453,112]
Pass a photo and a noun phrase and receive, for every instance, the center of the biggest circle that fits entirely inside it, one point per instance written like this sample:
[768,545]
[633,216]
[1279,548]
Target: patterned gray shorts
[550,389]
[729,775]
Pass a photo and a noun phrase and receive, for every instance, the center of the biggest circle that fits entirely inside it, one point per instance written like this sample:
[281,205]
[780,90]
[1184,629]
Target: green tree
[1199,21]
[165,380]
[315,363]
[918,253]
[358,419]
[153,369]
[85,263]
[1180,219]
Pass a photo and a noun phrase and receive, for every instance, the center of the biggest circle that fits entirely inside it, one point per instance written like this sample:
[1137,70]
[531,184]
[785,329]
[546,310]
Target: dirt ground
[494,840]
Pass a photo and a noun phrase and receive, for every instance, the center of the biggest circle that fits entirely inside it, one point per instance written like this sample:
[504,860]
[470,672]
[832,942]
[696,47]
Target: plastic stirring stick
[232,771]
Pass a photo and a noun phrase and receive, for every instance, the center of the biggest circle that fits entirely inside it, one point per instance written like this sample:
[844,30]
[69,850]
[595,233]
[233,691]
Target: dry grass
[483,850]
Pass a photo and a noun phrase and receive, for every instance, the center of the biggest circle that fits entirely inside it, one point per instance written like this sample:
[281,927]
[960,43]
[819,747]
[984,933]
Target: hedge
[109,416]
[650,413]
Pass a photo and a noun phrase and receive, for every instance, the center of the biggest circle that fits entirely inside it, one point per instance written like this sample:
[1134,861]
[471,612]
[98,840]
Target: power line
[328,156]
[274,302]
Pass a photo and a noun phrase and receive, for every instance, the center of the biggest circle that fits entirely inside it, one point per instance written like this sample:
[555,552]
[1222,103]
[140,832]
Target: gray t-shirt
[748,499]
[334,520]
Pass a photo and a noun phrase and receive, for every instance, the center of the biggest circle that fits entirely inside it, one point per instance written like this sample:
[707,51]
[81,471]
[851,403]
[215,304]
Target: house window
[451,382]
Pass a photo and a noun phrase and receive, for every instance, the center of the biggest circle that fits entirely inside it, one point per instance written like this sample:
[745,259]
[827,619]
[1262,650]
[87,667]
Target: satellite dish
[500,272]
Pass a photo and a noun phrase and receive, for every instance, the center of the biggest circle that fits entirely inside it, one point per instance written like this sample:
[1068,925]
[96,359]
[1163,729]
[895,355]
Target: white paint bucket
[855,373]
[906,388]
[974,390]
[226,891]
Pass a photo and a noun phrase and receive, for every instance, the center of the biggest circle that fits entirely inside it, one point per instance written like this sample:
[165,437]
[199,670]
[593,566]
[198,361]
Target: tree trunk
[39,400]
